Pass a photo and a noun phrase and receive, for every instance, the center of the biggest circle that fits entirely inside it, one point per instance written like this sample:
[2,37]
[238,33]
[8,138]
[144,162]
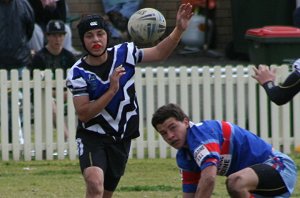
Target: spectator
[16,27]
[297,14]
[17,21]
[118,13]
[54,56]
[210,148]
[102,84]
[297,17]
[46,10]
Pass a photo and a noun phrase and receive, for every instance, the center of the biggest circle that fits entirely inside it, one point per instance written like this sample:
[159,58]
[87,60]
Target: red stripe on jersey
[213,147]
[212,160]
[190,177]
[226,134]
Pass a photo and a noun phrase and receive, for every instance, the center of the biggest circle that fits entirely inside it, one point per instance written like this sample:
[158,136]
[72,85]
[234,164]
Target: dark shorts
[106,153]
[270,182]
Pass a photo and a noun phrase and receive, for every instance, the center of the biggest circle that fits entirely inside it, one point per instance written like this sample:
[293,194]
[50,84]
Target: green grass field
[143,179]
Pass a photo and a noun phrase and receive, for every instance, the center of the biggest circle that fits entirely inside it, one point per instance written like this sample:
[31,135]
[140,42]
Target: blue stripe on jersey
[120,116]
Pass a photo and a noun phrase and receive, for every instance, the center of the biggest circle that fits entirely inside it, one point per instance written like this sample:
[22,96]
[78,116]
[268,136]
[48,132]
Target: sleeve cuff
[268,85]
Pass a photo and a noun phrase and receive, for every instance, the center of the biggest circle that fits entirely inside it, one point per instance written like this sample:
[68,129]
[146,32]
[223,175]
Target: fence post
[139,84]
[15,115]
[240,97]
[26,114]
[60,117]
[207,98]
[38,116]
[218,94]
[150,109]
[161,100]
[3,115]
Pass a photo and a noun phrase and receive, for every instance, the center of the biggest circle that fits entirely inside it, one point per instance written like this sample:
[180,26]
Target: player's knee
[94,183]
[94,186]
[233,185]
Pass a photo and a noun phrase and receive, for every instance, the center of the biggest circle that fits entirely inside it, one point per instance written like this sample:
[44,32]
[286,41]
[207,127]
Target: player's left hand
[115,77]
[184,15]
[264,74]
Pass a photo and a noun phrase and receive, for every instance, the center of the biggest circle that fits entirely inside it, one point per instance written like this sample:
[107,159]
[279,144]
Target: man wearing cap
[54,56]
[104,97]
[279,94]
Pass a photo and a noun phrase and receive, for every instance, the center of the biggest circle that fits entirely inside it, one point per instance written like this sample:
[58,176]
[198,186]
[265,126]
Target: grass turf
[63,179]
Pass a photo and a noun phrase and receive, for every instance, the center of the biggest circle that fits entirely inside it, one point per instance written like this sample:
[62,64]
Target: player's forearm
[89,110]
[205,187]
[168,44]
[284,93]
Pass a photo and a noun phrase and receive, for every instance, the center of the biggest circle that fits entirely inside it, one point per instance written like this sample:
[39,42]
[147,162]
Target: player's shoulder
[205,123]
[129,50]
[205,129]
[124,45]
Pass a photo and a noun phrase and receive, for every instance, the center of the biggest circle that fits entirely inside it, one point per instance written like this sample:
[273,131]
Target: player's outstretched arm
[279,94]
[164,48]
[282,94]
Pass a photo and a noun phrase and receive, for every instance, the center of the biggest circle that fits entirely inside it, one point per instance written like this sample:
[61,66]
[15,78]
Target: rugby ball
[146,25]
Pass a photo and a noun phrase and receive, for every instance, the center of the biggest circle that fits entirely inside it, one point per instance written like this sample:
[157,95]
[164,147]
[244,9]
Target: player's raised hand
[184,15]
[264,74]
[115,77]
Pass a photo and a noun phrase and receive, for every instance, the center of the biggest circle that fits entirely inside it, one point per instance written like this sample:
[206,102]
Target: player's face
[95,41]
[174,131]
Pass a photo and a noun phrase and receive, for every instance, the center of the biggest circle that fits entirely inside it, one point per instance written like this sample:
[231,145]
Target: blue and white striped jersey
[120,117]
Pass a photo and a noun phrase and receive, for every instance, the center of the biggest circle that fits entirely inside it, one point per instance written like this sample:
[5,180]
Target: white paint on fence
[223,93]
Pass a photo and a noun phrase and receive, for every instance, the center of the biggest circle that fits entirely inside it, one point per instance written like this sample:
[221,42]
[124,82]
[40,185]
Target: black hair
[167,111]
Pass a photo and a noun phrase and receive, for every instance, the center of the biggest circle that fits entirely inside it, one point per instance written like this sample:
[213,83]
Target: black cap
[55,26]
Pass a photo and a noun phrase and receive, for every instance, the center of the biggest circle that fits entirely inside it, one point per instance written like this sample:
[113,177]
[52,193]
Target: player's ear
[186,121]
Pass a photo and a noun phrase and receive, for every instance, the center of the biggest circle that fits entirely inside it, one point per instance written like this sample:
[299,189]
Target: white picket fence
[223,93]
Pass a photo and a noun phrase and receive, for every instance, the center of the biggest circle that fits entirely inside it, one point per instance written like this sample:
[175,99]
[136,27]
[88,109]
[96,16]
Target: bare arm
[163,49]
[207,182]
[87,109]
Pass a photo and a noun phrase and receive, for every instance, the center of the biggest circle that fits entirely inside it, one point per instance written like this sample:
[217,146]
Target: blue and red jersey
[223,144]
[230,148]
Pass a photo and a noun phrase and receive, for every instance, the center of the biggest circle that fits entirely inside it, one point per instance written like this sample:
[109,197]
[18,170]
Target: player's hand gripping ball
[146,25]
